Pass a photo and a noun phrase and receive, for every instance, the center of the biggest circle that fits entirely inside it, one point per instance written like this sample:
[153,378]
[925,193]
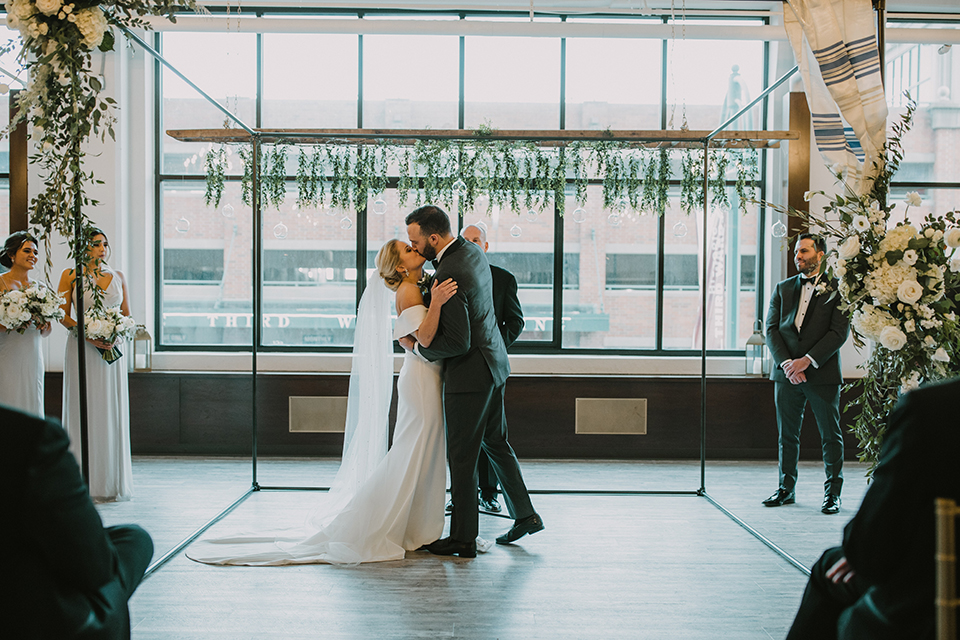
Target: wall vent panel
[611,416]
[317,414]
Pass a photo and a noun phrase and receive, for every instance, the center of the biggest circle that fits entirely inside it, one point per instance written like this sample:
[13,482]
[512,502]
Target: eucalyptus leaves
[518,175]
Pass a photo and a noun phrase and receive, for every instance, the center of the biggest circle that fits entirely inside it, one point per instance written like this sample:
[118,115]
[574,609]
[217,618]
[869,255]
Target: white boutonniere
[824,288]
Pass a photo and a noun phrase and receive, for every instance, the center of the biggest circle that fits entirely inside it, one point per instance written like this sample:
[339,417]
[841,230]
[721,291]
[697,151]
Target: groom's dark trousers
[475,370]
[823,331]
[65,575]
[890,542]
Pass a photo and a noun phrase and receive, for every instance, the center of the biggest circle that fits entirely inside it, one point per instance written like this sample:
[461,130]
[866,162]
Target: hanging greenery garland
[518,175]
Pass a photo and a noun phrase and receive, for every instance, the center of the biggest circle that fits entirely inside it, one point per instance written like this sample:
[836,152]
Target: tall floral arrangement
[62,101]
[899,282]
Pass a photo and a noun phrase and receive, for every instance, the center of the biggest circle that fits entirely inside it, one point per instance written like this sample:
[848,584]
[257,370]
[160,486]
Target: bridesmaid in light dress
[108,409]
[21,354]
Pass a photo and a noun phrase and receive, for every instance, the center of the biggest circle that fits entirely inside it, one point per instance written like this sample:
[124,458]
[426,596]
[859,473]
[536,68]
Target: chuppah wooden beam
[656,138]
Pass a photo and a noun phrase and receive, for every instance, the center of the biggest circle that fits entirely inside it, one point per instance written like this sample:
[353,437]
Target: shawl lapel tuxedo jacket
[468,340]
[823,332]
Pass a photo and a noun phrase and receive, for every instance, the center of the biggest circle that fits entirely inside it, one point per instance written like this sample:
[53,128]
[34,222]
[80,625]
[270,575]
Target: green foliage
[518,175]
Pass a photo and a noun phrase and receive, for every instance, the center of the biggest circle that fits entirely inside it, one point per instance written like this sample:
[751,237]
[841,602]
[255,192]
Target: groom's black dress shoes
[489,503]
[831,504]
[520,528]
[451,547]
[780,498]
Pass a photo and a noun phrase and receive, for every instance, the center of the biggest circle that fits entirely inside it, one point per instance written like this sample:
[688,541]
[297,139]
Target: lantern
[142,350]
[756,364]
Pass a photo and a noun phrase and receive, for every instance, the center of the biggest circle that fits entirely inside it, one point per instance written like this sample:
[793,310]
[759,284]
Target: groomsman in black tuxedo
[880,583]
[66,576]
[509,314]
[475,369]
[805,330]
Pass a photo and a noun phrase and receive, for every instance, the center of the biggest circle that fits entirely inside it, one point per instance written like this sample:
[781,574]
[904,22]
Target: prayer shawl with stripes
[836,47]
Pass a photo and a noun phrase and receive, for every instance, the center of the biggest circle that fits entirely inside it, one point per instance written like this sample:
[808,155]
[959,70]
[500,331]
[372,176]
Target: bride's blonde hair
[388,259]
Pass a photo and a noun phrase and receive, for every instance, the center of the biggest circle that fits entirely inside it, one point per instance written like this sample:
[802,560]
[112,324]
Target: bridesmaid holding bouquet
[108,409]
[21,353]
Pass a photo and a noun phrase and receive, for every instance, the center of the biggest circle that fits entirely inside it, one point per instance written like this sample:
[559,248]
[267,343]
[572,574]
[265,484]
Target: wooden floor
[667,567]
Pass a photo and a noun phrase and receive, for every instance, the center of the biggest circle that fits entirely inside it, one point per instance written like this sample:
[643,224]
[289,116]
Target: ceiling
[580,6]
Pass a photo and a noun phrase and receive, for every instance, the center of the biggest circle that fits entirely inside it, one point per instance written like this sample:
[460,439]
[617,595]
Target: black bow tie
[435,263]
[806,280]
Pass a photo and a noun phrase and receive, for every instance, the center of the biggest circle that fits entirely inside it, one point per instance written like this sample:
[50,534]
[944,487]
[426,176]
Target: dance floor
[607,566]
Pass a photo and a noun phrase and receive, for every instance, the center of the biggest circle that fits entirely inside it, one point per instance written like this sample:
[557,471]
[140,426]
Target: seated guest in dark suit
[880,583]
[67,576]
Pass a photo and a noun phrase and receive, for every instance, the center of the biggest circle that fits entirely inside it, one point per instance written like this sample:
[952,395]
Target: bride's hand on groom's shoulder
[440,292]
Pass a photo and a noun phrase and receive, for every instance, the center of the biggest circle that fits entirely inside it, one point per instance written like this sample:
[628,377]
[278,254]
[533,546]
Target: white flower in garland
[883,283]
[909,291]
[910,257]
[49,7]
[952,237]
[910,383]
[941,355]
[893,338]
[849,248]
[92,25]
[871,321]
[898,238]
[861,223]
[913,199]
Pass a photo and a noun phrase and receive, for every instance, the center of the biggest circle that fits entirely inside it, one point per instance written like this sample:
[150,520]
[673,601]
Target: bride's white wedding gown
[399,507]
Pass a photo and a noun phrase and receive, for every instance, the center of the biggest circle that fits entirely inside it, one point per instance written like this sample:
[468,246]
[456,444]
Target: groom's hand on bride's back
[407,342]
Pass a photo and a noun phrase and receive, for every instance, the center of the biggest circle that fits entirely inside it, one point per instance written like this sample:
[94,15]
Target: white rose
[93,327]
[910,257]
[952,237]
[941,355]
[913,199]
[861,223]
[909,291]
[849,248]
[49,7]
[892,338]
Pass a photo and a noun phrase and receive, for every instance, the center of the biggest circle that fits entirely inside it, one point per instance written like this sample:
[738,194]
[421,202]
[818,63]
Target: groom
[475,370]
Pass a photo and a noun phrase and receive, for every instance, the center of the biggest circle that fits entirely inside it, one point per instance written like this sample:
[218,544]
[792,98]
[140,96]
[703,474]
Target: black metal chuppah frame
[257,138]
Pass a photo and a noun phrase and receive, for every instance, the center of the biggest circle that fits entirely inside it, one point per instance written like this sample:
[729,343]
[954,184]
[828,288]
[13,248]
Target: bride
[381,503]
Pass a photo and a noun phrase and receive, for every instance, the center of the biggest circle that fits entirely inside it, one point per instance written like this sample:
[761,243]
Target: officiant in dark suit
[475,369]
[881,583]
[66,576]
[804,332]
[509,314]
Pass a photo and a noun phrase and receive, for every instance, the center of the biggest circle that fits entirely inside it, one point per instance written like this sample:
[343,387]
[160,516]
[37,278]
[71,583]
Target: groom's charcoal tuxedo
[822,333]
[890,542]
[66,576]
[475,369]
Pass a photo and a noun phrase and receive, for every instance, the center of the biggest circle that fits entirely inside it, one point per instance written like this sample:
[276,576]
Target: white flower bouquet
[110,325]
[898,282]
[36,304]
